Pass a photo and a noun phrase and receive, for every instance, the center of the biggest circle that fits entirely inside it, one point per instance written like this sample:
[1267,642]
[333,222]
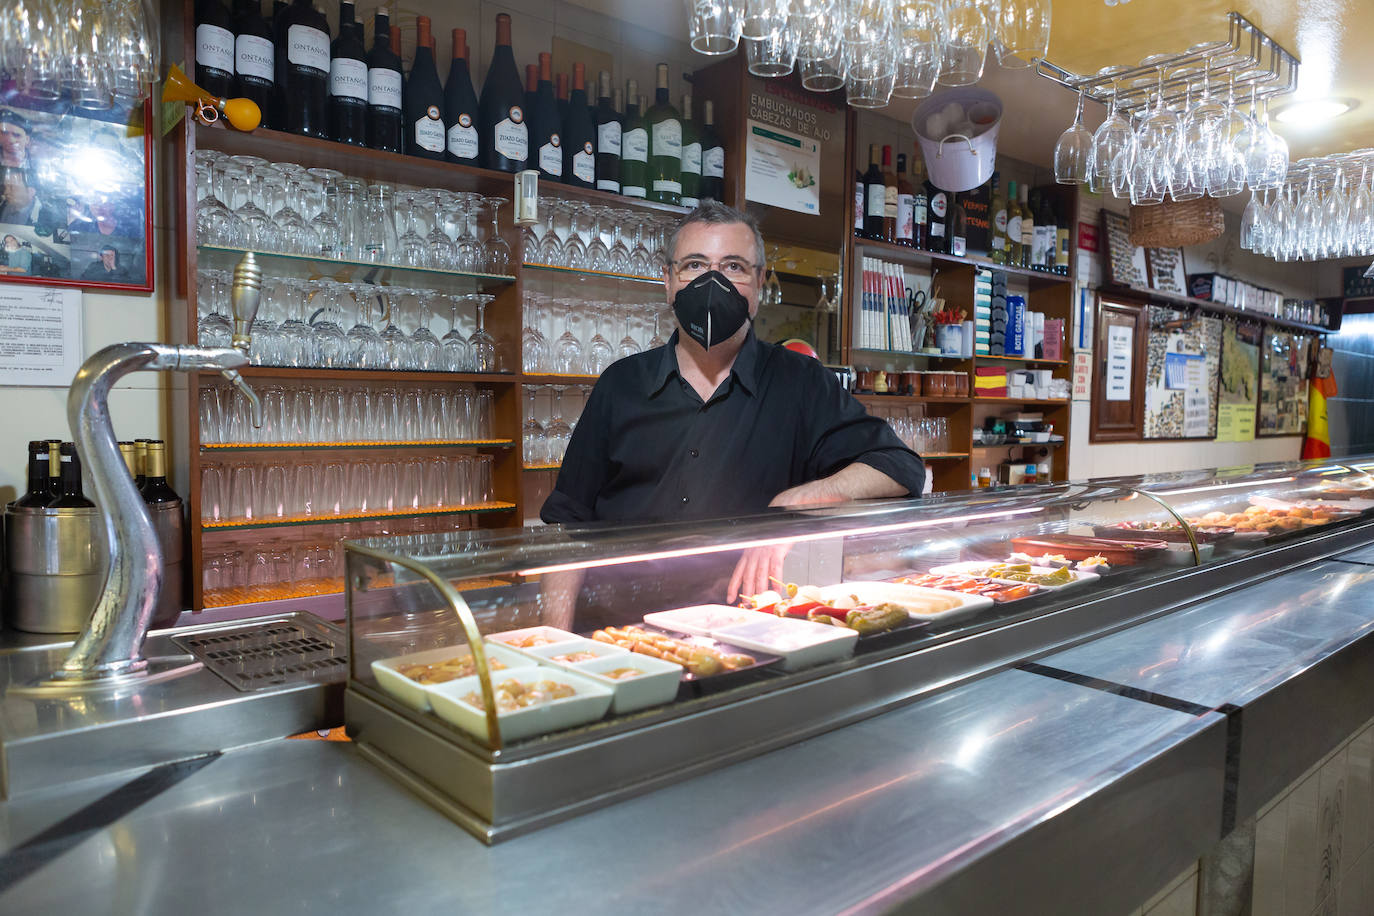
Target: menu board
[1183,357]
[1283,383]
[1120,346]
[1238,388]
[1125,262]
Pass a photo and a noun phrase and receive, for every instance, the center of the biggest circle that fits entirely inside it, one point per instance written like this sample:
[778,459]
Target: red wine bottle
[424,99]
[155,489]
[460,105]
[531,87]
[70,495]
[546,127]
[39,492]
[505,136]
[608,127]
[384,87]
[254,58]
[875,196]
[712,156]
[561,95]
[214,48]
[579,134]
[302,61]
[348,82]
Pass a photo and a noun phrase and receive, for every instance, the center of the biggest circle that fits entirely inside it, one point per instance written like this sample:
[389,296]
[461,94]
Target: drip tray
[270,654]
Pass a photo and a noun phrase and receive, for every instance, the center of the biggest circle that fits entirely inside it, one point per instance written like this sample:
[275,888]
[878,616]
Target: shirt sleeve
[843,432]
[585,467]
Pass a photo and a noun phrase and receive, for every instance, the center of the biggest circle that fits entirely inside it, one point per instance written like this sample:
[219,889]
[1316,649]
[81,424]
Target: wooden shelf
[1216,308]
[541,467]
[279,264]
[908,353]
[919,256]
[935,456]
[555,270]
[909,399]
[1020,359]
[1046,402]
[553,378]
[376,375]
[216,447]
[497,506]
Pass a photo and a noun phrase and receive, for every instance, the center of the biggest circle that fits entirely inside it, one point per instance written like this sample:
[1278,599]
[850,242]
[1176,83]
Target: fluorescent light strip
[771,542]
[1223,486]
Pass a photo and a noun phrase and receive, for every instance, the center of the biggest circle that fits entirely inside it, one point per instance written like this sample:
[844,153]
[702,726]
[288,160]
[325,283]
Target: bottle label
[511,136]
[906,217]
[608,138]
[671,187]
[462,138]
[348,79]
[253,57]
[691,202]
[1038,245]
[939,205]
[691,158]
[890,202]
[937,230]
[920,211]
[551,157]
[858,205]
[668,139]
[956,245]
[307,47]
[429,131]
[384,88]
[876,200]
[215,47]
[1013,230]
[584,163]
[635,145]
[713,162]
[608,184]
[1000,221]
[632,190]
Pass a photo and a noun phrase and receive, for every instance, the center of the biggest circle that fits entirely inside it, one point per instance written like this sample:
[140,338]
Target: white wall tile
[1351,897]
[1302,855]
[1180,901]
[1359,806]
[1271,831]
[1331,823]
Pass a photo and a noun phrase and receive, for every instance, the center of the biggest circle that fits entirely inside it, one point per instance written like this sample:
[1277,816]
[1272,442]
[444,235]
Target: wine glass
[365,347]
[484,355]
[600,353]
[556,431]
[412,248]
[331,343]
[534,348]
[533,438]
[428,353]
[442,251]
[497,254]
[1073,152]
[256,225]
[457,353]
[628,346]
[598,254]
[395,343]
[214,328]
[567,350]
[550,250]
[656,340]
[298,339]
[471,254]
[295,234]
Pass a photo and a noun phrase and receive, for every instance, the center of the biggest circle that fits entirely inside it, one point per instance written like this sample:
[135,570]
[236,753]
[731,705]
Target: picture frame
[76,195]
[1167,273]
[1125,263]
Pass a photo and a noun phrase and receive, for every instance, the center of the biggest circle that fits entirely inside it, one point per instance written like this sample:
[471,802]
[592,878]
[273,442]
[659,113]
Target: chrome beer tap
[110,649]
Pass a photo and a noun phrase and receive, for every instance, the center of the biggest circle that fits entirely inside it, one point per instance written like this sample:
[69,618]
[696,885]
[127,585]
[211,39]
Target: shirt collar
[745,370]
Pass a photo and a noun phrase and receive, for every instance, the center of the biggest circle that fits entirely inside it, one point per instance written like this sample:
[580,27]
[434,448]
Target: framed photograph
[1166,270]
[75,195]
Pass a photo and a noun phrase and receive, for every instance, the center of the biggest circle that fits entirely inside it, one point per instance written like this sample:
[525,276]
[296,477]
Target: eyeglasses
[736,270]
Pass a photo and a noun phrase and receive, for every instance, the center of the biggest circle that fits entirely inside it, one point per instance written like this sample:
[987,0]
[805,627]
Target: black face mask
[710,309]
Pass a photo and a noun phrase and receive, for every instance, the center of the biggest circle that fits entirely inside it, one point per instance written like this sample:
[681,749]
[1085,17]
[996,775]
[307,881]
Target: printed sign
[782,169]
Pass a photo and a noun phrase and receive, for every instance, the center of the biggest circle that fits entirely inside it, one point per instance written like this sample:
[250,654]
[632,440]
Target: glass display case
[513,677]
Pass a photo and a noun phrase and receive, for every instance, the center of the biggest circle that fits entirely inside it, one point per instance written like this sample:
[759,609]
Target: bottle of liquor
[712,156]
[460,106]
[560,85]
[608,126]
[1013,255]
[545,126]
[875,196]
[634,146]
[39,492]
[1027,227]
[859,203]
[957,227]
[1061,244]
[505,136]
[54,465]
[937,238]
[141,453]
[129,452]
[70,495]
[579,134]
[214,48]
[1037,255]
[384,87]
[889,197]
[348,82]
[906,203]
[665,144]
[920,204]
[302,61]
[278,7]
[155,488]
[1046,226]
[254,60]
[998,247]
[424,99]
[691,155]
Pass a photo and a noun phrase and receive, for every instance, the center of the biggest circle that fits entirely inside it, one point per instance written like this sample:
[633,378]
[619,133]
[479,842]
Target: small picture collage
[73,195]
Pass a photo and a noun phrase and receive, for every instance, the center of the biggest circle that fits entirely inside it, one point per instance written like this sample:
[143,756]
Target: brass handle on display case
[1187,528]
[458,604]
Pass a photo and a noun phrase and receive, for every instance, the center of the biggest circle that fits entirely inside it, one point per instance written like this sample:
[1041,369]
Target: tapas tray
[928,604]
[396,675]
[1117,552]
[702,619]
[1001,591]
[1205,534]
[979,569]
[797,643]
[641,638]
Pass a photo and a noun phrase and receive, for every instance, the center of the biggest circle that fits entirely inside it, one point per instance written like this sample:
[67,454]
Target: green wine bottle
[634,145]
[691,155]
[665,145]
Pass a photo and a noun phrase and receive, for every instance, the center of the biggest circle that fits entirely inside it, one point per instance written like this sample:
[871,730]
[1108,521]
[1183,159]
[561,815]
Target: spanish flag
[1317,444]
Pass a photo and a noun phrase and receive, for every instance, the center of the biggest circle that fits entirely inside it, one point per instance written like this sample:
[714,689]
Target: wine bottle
[920,204]
[384,87]
[1045,225]
[155,489]
[460,105]
[579,134]
[254,58]
[957,227]
[546,127]
[504,134]
[348,82]
[906,203]
[278,7]
[1027,227]
[129,452]
[608,126]
[691,155]
[712,156]
[302,61]
[531,90]
[665,145]
[561,96]
[634,145]
[54,465]
[423,99]
[998,242]
[70,495]
[1013,257]
[937,239]
[39,492]
[141,453]
[214,48]
[889,197]
[1061,244]
[875,194]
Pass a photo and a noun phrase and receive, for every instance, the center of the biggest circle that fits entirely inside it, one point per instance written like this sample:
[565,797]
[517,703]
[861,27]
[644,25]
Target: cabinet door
[1118,401]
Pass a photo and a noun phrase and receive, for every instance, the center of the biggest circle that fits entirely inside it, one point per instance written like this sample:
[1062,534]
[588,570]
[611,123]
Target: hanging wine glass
[497,254]
[1073,152]
[483,345]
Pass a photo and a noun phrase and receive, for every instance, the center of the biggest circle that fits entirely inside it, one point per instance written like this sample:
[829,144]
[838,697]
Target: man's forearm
[857,481]
[558,597]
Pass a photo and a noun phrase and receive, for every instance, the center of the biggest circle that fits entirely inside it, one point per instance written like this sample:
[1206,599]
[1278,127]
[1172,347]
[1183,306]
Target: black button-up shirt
[647,448]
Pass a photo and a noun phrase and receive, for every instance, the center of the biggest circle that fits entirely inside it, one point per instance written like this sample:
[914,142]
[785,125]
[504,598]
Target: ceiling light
[1314,111]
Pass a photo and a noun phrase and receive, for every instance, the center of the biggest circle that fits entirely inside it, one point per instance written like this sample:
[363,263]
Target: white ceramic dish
[416,695]
[701,619]
[921,603]
[973,567]
[799,643]
[552,634]
[545,655]
[656,686]
[588,703]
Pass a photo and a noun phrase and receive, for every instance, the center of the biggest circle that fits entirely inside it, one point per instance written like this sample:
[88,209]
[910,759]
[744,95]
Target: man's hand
[754,570]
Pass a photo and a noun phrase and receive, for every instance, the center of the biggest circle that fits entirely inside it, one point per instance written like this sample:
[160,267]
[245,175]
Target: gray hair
[715,213]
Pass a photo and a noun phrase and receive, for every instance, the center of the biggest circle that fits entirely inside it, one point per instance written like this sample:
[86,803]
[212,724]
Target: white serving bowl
[588,703]
[416,695]
[799,643]
[656,686]
[544,655]
[701,619]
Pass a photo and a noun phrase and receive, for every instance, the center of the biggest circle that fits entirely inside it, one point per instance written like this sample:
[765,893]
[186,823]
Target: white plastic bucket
[958,162]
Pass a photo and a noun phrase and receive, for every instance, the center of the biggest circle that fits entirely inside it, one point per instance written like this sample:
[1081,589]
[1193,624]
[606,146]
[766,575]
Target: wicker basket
[1173,224]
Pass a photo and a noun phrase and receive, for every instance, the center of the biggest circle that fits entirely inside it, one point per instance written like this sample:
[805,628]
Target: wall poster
[1182,360]
[1283,383]
[1238,390]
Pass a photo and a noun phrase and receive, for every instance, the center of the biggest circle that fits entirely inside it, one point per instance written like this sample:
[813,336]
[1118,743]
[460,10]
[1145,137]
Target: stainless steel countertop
[894,804]
[1363,555]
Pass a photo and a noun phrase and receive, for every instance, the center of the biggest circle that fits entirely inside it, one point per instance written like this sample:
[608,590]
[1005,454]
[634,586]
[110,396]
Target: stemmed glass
[535,442]
[255,223]
[619,254]
[484,356]
[598,254]
[642,258]
[214,328]
[497,253]
[413,249]
[628,346]
[295,233]
[395,342]
[550,249]
[657,340]
[442,251]
[567,350]
[600,353]
[574,253]
[534,348]
[331,344]
[298,340]
[471,254]
[457,352]
[366,350]
[1073,152]
[428,353]
[1114,137]
[556,431]
[216,224]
